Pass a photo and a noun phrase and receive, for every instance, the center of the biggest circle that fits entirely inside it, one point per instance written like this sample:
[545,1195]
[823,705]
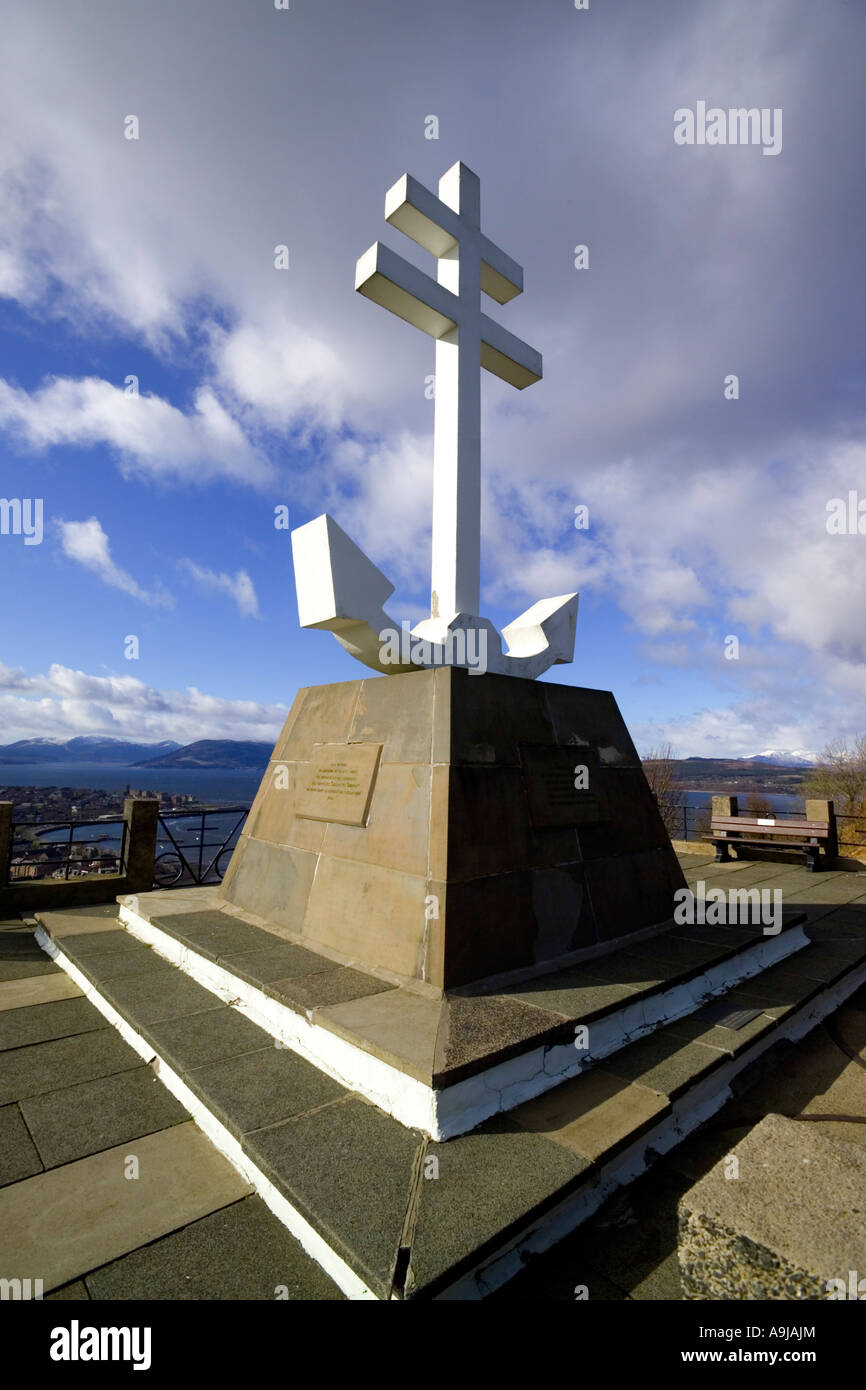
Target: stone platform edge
[445,1112]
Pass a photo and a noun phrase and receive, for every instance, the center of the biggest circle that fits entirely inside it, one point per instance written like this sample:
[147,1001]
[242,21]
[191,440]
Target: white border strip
[688,1113]
[333,1264]
[449,1111]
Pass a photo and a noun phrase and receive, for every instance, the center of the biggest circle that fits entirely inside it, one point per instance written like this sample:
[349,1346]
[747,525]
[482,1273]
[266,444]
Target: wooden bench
[769,832]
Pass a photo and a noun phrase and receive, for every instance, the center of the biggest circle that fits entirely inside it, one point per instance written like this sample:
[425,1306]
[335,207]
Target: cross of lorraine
[338,587]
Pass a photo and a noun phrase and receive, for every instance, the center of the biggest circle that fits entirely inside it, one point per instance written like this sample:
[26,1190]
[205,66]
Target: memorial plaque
[337,783]
[563,786]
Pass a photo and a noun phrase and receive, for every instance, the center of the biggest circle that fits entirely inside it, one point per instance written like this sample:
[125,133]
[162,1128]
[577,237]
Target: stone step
[385,1210]
[439,1064]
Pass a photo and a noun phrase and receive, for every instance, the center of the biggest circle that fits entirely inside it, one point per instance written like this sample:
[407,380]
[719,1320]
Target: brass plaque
[337,783]
[563,786]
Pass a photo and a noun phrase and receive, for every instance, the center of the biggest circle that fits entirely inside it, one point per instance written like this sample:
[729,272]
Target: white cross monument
[338,587]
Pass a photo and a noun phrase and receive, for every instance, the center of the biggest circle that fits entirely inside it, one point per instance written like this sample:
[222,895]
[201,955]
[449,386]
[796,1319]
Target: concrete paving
[355,1168]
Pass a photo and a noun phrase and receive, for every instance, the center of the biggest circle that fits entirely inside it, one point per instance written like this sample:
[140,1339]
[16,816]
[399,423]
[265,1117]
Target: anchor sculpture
[338,587]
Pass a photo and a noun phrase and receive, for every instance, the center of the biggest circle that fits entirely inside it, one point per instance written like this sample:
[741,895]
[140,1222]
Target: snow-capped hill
[797,757]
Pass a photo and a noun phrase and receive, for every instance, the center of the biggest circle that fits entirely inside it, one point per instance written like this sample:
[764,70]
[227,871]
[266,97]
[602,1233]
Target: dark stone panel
[76,1121]
[474,1026]
[488,822]
[282,962]
[488,1183]
[631,892]
[590,719]
[563,912]
[43,1022]
[348,1169]
[155,996]
[492,715]
[490,927]
[18,1156]
[239,1253]
[32,1071]
[261,1088]
[206,1037]
[335,986]
[633,823]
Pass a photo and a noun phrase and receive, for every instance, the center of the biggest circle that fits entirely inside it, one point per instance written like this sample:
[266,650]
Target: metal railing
[190,861]
[33,855]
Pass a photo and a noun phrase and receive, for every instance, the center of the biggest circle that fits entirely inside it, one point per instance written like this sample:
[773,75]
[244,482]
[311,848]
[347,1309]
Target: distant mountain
[84,749]
[798,758]
[770,758]
[221,753]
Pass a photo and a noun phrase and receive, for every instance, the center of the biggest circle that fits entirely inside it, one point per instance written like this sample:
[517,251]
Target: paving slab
[475,1026]
[281,962]
[334,986]
[476,1189]
[170,902]
[53,1019]
[594,1115]
[82,944]
[261,1088]
[36,989]
[18,1156]
[241,1252]
[157,995]
[79,1120]
[27,968]
[663,1062]
[573,994]
[349,1169]
[698,1027]
[80,1216]
[47,1066]
[206,1037]
[215,934]
[397,1026]
[80,921]
[784,1228]
[113,965]
[76,1292]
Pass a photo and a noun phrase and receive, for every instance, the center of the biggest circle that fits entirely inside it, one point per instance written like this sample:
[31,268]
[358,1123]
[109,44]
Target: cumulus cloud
[87,544]
[150,435]
[70,702]
[239,587]
[707,516]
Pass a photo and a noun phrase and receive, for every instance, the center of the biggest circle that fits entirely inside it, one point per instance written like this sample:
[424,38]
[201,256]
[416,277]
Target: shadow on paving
[629,1249]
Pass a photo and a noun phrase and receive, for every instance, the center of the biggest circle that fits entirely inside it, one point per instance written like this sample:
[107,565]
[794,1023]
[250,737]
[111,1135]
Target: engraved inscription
[337,779]
[337,784]
[563,786]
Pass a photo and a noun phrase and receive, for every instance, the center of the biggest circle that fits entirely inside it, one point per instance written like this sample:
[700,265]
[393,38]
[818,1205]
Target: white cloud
[150,435]
[69,702]
[239,587]
[87,544]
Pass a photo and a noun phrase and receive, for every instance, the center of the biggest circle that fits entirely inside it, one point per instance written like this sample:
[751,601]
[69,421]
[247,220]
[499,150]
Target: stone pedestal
[445,828]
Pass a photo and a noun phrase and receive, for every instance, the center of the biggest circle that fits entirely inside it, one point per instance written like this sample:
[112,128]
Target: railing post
[6,809]
[141,815]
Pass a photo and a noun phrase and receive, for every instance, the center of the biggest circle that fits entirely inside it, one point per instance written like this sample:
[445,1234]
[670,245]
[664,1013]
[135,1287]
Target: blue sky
[260,387]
